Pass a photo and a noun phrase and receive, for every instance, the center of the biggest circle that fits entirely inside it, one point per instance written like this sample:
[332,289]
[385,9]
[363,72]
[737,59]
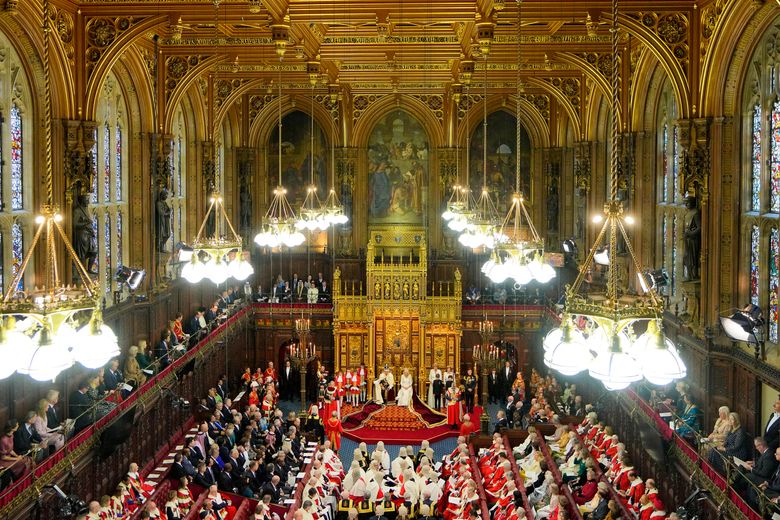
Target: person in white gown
[431,378]
[405,392]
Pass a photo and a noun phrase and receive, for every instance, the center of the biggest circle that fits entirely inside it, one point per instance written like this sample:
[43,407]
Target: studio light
[569,246]
[744,325]
[132,277]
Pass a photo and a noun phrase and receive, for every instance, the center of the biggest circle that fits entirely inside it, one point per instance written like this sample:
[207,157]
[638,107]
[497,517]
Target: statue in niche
[163,219]
[246,206]
[692,239]
[84,238]
[552,206]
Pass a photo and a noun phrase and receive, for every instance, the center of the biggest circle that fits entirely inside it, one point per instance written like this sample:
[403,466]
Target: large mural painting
[501,159]
[397,170]
[297,156]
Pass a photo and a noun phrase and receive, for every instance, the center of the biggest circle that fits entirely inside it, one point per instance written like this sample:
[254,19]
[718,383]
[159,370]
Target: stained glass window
[665,162]
[17,251]
[118,168]
[17,170]
[755,193]
[774,166]
[119,256]
[106,164]
[179,235]
[676,163]
[179,172]
[673,269]
[664,241]
[774,282]
[754,264]
[94,195]
[109,271]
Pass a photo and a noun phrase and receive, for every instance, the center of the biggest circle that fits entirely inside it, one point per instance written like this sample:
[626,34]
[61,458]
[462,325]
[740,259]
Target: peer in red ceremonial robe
[254,399]
[468,427]
[454,408]
[270,372]
[333,430]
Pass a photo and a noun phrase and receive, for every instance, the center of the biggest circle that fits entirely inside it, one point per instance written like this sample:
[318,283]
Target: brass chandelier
[519,250]
[42,331]
[608,347]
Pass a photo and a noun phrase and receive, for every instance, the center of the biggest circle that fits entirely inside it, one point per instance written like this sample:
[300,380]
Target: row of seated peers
[236,451]
[506,501]
[599,443]
[408,486]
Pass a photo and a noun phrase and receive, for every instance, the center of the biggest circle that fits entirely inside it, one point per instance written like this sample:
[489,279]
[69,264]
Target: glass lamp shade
[93,349]
[49,355]
[448,214]
[541,271]
[458,223]
[615,369]
[569,356]
[217,271]
[556,335]
[339,218]
[660,361]
[193,270]
[240,269]
[519,271]
[12,351]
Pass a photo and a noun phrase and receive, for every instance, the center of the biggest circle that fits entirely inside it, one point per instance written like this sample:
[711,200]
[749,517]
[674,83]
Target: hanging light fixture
[312,215]
[620,358]
[480,225]
[332,208]
[220,255]
[38,334]
[519,253]
[278,227]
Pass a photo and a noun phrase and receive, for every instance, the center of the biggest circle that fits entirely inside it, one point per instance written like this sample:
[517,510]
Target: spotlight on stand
[745,325]
[131,277]
[185,253]
[653,279]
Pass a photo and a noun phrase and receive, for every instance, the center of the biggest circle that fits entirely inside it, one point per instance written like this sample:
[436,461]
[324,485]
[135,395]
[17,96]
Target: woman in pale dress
[721,429]
[405,392]
[431,378]
[40,423]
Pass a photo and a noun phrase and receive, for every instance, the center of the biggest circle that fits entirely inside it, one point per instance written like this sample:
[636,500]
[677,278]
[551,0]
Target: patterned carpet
[395,418]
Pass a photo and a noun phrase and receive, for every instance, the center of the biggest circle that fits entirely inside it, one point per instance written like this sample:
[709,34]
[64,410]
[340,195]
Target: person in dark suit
[761,468]
[770,486]
[438,391]
[772,428]
[286,375]
[602,508]
[194,325]
[162,350]
[494,391]
[469,389]
[177,468]
[225,478]
[501,421]
[274,489]
[212,313]
[222,389]
[509,410]
[204,477]
[52,419]
[79,403]
[505,378]
[25,436]
[112,377]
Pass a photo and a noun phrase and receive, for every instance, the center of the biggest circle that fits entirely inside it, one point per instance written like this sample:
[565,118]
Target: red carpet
[395,424]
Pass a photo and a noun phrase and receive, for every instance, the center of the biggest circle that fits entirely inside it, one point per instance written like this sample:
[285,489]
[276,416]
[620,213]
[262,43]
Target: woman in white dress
[405,392]
[431,378]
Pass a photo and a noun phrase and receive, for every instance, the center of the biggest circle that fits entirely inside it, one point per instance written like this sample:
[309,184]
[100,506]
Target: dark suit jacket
[112,379]
[177,471]
[503,423]
[772,435]
[52,420]
[203,480]
[765,465]
[193,325]
[24,439]
[268,489]
[161,352]
[225,482]
[601,510]
[78,404]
